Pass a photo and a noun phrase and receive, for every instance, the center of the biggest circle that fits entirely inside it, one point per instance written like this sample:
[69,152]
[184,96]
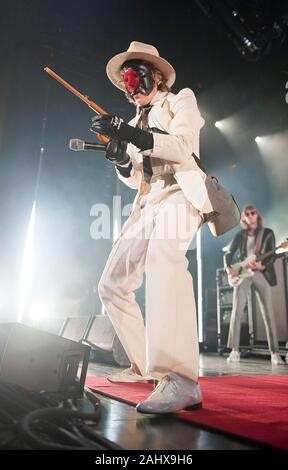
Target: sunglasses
[250,213]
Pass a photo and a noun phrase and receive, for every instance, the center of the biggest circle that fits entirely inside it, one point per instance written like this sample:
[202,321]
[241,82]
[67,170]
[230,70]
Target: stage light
[254,33]
[27,264]
[39,311]
[257,139]
[273,150]
[229,125]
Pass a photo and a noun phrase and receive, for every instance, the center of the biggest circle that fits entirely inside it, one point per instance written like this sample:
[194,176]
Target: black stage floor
[122,425]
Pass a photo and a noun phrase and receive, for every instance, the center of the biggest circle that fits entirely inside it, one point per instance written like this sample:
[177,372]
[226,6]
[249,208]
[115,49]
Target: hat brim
[113,68]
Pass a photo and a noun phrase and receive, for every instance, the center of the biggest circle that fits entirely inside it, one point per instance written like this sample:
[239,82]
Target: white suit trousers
[155,240]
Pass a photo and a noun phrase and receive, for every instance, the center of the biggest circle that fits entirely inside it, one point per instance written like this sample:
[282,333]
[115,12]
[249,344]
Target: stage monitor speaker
[279,296]
[101,334]
[75,328]
[41,361]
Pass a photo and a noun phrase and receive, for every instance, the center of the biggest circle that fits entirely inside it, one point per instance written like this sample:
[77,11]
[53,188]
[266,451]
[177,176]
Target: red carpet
[253,407]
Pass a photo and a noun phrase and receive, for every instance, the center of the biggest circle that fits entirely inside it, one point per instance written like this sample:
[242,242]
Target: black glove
[116,153]
[115,128]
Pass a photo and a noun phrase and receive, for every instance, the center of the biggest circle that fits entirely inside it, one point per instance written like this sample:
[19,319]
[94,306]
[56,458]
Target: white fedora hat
[139,50]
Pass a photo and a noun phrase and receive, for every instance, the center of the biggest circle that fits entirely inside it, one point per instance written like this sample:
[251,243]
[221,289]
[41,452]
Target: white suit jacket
[179,116]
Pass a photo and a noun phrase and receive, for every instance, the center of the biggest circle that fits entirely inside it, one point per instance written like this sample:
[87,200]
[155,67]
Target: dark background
[76,39]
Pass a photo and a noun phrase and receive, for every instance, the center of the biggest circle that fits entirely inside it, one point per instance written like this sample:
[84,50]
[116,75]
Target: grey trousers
[264,295]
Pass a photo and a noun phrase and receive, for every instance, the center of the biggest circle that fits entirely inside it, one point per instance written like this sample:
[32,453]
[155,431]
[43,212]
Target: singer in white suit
[153,154]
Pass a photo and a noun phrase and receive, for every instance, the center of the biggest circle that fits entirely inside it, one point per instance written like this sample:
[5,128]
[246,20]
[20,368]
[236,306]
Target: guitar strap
[259,241]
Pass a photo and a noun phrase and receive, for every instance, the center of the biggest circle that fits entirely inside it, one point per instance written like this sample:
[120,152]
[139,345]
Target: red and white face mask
[138,77]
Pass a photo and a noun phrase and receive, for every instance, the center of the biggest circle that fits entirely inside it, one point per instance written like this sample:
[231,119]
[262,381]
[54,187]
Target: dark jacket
[239,244]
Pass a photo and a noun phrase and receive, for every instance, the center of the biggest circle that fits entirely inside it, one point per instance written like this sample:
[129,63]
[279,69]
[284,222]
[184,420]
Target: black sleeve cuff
[142,139]
[125,171]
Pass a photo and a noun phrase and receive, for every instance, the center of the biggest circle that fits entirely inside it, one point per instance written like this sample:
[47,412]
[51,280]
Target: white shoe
[128,375]
[234,356]
[276,359]
[173,393]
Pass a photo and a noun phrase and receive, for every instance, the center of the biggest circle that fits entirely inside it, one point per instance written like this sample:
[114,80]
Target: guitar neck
[269,253]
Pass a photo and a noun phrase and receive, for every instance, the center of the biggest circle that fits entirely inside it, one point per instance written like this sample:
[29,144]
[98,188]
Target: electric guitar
[243,269]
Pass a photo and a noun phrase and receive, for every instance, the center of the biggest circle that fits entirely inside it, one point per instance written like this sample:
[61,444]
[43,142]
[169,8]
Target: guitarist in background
[253,239]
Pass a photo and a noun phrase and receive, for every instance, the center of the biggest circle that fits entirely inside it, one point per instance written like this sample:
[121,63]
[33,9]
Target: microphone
[77,144]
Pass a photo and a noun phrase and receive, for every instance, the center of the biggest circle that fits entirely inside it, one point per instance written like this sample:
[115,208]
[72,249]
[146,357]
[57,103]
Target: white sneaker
[234,356]
[128,375]
[173,393]
[276,359]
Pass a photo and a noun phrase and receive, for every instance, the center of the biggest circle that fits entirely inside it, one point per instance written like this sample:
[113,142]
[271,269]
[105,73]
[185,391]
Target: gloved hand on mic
[116,153]
[115,128]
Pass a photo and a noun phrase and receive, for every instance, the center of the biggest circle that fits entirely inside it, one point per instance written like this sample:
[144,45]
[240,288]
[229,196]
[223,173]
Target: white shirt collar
[157,99]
